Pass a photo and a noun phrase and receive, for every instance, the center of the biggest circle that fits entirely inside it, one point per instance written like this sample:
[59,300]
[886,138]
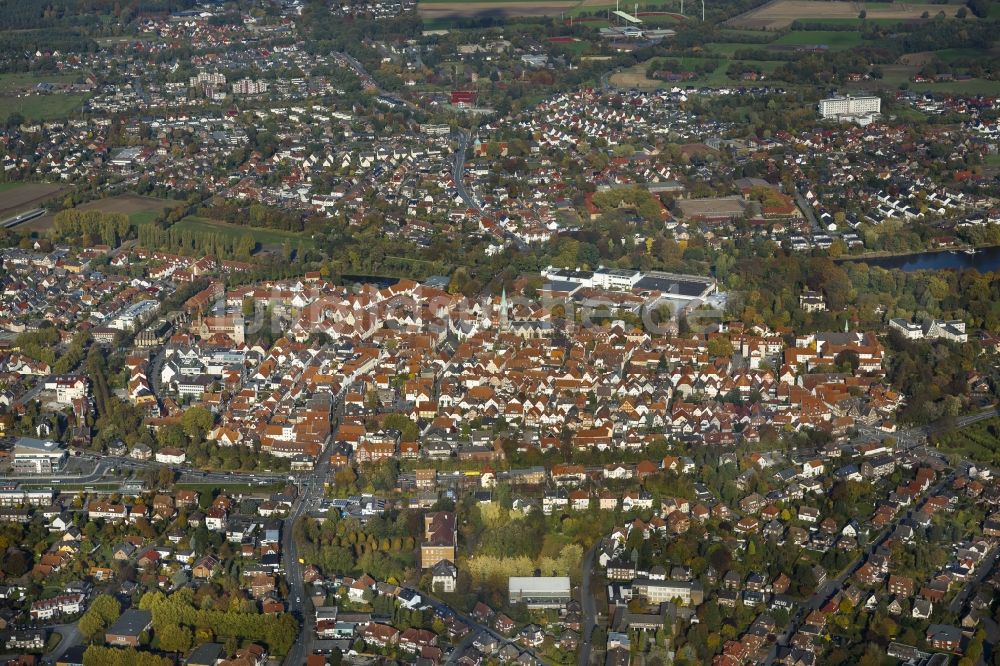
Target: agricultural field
[265,237]
[833,39]
[780,14]
[18,197]
[140,210]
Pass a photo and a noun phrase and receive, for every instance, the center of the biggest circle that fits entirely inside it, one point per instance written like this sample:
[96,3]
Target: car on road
[298,600]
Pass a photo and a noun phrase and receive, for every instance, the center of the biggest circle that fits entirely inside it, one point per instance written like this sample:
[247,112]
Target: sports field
[42,107]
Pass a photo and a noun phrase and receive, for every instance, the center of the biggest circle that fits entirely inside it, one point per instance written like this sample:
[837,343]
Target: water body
[985,260]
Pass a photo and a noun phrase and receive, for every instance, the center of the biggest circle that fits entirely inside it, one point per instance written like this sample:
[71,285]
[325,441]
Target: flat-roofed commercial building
[540,591]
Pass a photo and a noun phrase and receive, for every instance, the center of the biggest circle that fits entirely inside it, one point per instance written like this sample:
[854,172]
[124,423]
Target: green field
[970,87]
[857,21]
[834,39]
[979,441]
[41,107]
[956,55]
[262,236]
[15,81]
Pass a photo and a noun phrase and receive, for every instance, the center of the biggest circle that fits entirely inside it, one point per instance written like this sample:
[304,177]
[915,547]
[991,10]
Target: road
[310,492]
[808,210]
[23,217]
[475,628]
[985,567]
[589,609]
[368,80]
[458,173]
[70,636]
[835,585]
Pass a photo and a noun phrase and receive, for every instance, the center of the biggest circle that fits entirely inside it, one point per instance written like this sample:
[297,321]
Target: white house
[170,456]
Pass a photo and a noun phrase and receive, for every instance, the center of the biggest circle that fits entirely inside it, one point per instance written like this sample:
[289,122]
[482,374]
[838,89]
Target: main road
[458,172]
[588,606]
[310,492]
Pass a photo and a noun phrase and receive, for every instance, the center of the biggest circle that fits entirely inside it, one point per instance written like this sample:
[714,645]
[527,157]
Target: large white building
[134,315]
[37,456]
[660,591]
[540,591]
[950,329]
[861,110]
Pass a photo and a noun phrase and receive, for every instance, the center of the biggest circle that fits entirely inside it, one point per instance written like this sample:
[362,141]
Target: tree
[196,422]
[17,563]
[720,346]
[174,638]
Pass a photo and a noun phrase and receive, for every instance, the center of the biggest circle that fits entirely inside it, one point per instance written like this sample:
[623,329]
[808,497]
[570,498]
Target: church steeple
[503,310]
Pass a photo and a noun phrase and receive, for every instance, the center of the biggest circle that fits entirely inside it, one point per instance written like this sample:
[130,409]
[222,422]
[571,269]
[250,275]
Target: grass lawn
[41,107]
[262,236]
[53,642]
[991,160]
[143,217]
[834,39]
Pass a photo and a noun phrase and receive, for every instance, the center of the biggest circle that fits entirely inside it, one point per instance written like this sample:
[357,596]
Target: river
[985,260]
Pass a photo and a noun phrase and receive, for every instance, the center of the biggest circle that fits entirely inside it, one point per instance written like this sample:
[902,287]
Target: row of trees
[97,655]
[91,226]
[193,242]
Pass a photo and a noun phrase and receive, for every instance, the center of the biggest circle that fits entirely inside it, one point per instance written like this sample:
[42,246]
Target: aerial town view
[500,332]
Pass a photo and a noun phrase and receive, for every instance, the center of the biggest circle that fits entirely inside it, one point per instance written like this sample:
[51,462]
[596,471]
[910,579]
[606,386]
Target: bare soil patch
[27,197]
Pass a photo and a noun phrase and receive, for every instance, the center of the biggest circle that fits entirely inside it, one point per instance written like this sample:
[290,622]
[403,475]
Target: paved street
[310,491]
[588,606]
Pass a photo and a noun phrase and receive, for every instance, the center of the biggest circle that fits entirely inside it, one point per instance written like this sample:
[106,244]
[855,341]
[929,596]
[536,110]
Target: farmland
[780,14]
[834,39]
[18,197]
[140,209]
